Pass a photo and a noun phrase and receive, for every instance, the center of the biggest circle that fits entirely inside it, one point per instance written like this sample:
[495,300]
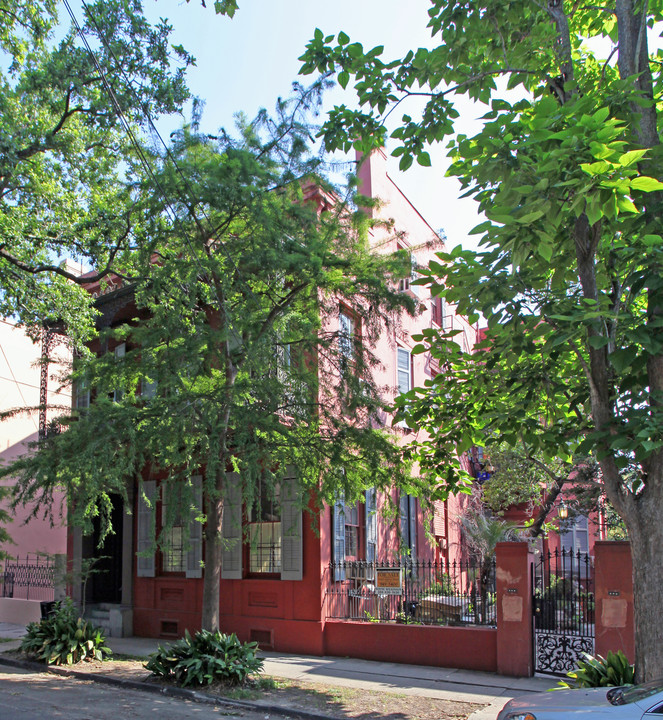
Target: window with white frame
[404,284]
[119,352]
[264,531]
[81,394]
[172,535]
[576,538]
[404,370]
[284,374]
[439,312]
[346,334]
[181,528]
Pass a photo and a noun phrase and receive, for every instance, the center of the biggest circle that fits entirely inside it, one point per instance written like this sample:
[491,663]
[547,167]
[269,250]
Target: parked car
[616,703]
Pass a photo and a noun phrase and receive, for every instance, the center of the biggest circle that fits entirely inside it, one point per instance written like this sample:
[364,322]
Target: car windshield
[626,695]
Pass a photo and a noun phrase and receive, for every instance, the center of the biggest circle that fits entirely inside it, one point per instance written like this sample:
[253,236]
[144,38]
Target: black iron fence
[564,610]
[411,591]
[30,578]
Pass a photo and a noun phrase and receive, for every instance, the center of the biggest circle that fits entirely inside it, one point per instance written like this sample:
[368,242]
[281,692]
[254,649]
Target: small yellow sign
[388,581]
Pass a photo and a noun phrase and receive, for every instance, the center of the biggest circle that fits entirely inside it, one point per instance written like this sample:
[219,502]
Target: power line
[18,385]
[169,155]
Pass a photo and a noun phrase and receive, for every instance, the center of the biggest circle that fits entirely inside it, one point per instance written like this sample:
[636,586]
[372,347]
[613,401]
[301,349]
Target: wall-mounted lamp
[563,511]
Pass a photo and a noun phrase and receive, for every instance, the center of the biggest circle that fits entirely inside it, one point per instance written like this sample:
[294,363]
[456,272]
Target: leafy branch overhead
[567,171]
[67,160]
[232,359]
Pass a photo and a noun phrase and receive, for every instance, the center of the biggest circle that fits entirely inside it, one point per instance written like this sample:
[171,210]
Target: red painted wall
[166,605]
[615,629]
[467,648]
[514,609]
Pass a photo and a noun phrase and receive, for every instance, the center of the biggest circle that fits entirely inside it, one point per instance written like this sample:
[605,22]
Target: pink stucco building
[20,389]
[280,597]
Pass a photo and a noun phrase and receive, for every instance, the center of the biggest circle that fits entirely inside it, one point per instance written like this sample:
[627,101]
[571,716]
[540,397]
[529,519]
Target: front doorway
[103,583]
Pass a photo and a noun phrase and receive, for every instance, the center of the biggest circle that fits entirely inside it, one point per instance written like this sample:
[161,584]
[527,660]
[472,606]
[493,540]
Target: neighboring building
[20,382]
[274,576]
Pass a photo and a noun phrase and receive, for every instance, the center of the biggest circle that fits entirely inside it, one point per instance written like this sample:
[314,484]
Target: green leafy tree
[567,170]
[520,478]
[245,267]
[66,158]
[223,7]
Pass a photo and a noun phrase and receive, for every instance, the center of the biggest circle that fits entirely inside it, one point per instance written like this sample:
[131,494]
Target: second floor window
[119,352]
[576,538]
[81,395]
[404,364]
[346,334]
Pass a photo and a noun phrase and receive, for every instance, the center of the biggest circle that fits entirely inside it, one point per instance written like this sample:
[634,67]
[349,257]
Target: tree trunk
[213,551]
[646,536]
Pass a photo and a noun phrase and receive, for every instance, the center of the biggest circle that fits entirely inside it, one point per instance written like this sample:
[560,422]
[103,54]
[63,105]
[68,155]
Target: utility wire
[18,385]
[155,132]
[144,161]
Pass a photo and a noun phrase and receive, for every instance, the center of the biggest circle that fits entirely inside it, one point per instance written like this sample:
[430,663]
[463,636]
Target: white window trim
[346,334]
[231,529]
[194,554]
[403,352]
[81,395]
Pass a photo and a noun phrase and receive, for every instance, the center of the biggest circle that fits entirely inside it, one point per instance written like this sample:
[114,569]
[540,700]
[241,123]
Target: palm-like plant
[482,532]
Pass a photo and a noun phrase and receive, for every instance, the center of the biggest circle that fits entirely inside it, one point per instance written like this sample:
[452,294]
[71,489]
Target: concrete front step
[114,620]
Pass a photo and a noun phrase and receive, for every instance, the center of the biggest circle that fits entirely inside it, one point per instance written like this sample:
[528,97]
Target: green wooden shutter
[194,554]
[145,517]
[291,530]
[231,558]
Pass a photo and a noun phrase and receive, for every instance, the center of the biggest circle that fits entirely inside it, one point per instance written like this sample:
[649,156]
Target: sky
[247,63]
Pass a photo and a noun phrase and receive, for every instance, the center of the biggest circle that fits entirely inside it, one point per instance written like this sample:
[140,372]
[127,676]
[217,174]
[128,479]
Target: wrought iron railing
[30,578]
[564,610]
[411,591]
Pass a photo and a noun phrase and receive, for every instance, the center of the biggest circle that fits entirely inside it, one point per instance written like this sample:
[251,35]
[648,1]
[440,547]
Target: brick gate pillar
[613,590]
[514,609]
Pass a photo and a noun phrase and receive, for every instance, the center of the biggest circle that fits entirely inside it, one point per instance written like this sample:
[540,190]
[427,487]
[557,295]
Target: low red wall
[299,637]
[615,629]
[466,648]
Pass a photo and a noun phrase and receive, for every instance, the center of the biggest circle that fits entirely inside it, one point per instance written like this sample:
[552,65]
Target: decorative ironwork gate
[563,608]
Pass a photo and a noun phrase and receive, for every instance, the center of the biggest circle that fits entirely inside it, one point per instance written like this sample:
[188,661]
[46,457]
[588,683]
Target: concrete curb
[176,692]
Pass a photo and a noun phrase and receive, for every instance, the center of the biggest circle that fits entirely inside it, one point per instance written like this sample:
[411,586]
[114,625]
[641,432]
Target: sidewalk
[424,681]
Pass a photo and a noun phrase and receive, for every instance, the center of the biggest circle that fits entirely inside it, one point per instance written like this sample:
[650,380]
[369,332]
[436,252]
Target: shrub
[612,670]
[204,658]
[64,638]
[443,586]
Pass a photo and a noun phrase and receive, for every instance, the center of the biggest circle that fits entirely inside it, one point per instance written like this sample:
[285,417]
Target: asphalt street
[38,696]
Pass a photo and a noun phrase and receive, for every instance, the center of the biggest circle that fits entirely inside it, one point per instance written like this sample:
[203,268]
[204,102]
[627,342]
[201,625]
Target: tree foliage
[66,157]
[247,257]
[567,171]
